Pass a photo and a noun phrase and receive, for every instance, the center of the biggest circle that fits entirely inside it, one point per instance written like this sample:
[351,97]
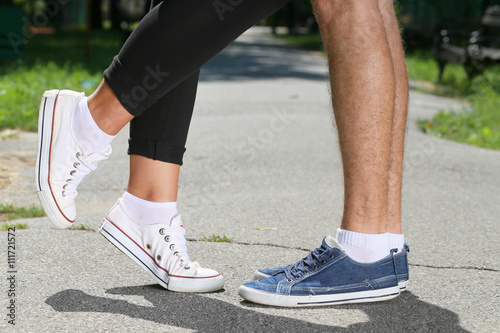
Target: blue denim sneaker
[327,276]
[402,269]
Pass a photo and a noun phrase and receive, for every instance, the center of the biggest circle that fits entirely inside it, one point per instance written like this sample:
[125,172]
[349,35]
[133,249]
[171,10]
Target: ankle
[153,180]
[107,111]
[152,195]
[394,226]
[366,225]
[393,221]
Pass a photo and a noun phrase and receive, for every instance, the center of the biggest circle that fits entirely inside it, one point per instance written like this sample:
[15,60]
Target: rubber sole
[45,126]
[273,299]
[125,244]
[257,275]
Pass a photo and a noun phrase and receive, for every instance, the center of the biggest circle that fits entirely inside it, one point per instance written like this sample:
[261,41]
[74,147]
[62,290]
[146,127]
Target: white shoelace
[83,166]
[175,237]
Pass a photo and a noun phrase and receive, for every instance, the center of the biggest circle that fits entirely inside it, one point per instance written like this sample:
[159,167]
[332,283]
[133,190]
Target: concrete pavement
[262,166]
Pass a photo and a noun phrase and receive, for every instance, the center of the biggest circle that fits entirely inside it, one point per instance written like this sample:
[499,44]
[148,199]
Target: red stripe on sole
[50,157]
[152,258]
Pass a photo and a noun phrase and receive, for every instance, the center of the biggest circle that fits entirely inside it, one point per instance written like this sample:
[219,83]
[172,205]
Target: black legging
[157,69]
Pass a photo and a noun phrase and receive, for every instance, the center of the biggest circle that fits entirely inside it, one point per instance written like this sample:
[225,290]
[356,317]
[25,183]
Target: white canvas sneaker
[61,162]
[160,249]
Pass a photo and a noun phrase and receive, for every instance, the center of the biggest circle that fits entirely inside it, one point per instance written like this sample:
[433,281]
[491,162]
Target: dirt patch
[11,165]
[17,167]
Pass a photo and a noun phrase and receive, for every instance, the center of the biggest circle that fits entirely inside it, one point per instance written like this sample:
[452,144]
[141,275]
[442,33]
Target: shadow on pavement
[197,312]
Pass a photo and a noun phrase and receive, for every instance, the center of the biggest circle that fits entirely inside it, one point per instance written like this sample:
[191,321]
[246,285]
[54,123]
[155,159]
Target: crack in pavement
[308,250]
[252,244]
[458,267]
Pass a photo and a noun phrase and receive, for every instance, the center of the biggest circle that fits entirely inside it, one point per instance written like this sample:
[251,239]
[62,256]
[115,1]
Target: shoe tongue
[176,222]
[329,242]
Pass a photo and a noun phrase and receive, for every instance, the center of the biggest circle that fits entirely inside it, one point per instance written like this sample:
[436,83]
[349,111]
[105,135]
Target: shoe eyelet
[167,238]
[162,231]
[299,277]
[72,172]
[63,194]
[78,154]
[158,257]
[148,246]
[176,254]
[172,247]
[307,271]
[323,262]
[331,256]
[68,180]
[76,164]
[65,185]
[289,280]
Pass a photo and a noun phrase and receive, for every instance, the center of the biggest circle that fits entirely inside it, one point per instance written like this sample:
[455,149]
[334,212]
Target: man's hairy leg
[363,98]
[363,86]
[399,118]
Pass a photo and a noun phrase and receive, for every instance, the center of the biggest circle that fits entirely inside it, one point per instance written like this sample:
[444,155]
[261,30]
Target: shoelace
[175,237]
[83,166]
[312,261]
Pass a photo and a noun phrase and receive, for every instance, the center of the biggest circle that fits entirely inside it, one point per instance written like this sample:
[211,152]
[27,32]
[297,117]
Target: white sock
[362,247]
[90,137]
[149,212]
[396,241]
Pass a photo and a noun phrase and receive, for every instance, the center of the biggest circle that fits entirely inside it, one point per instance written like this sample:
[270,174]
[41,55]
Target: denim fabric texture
[272,271]
[402,267]
[328,270]
[400,259]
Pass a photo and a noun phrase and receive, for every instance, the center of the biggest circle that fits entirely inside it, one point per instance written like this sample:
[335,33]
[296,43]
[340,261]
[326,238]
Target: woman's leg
[156,148]
[161,132]
[171,43]
[156,145]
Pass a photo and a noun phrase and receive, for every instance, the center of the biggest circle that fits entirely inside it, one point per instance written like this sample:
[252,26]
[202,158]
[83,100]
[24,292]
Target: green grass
[422,67]
[85,227]
[479,125]
[6,226]
[217,238]
[11,212]
[51,61]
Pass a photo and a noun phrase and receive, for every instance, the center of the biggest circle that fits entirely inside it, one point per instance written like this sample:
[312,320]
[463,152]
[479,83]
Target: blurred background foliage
[68,43]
